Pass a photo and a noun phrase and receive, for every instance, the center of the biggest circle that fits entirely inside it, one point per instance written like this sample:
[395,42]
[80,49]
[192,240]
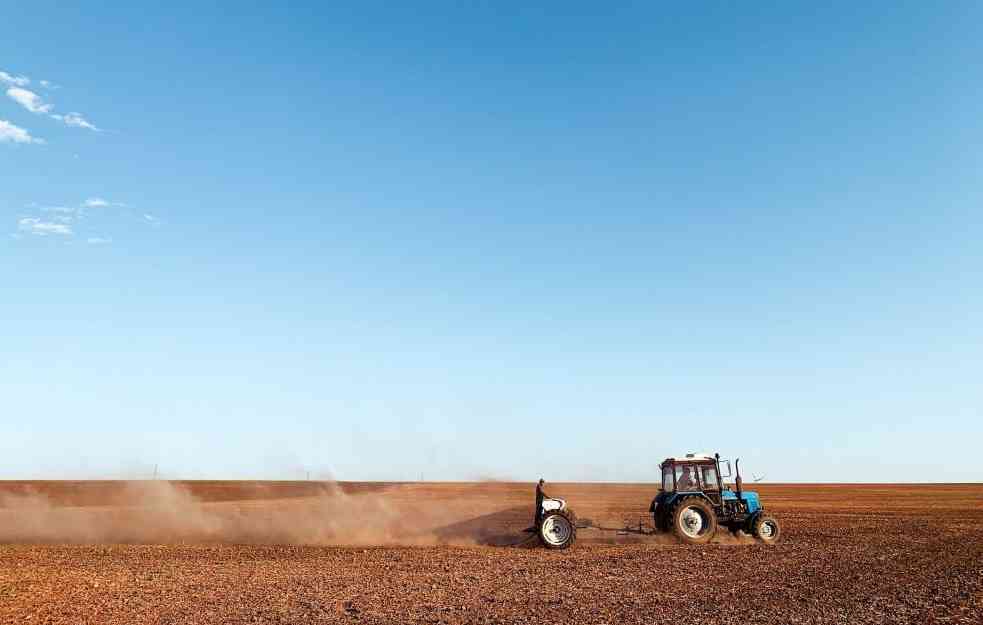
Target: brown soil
[298,552]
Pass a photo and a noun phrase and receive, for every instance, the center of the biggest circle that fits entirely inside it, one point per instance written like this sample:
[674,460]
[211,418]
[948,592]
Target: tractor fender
[669,501]
[695,493]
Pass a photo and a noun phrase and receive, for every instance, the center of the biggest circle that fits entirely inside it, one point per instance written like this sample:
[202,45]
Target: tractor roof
[702,457]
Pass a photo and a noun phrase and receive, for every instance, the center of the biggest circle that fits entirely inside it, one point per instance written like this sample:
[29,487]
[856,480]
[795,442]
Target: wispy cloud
[76,119]
[37,105]
[92,219]
[29,100]
[10,133]
[36,225]
[58,209]
[17,81]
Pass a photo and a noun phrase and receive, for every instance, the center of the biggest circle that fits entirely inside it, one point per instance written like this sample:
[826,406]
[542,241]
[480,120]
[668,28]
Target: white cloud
[76,119]
[36,104]
[29,100]
[57,209]
[10,133]
[34,225]
[17,81]
[47,84]
[89,220]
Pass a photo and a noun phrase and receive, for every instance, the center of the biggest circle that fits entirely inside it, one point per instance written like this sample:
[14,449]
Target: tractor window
[667,479]
[686,478]
[709,477]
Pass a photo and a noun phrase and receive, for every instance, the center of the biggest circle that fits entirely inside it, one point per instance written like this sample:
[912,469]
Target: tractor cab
[694,499]
[702,474]
[694,473]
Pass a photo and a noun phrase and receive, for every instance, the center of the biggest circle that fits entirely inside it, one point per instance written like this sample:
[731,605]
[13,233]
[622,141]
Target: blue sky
[483,240]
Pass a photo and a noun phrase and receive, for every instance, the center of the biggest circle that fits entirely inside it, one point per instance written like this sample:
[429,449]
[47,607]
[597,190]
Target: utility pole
[155,472]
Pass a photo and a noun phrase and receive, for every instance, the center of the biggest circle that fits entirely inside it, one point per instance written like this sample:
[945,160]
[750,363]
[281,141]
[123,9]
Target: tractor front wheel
[558,529]
[766,529]
[693,521]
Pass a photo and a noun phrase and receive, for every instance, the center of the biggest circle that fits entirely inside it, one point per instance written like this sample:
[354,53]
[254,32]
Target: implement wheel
[693,521]
[558,530]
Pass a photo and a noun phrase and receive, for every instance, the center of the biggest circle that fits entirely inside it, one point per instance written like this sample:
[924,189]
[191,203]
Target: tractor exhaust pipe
[738,482]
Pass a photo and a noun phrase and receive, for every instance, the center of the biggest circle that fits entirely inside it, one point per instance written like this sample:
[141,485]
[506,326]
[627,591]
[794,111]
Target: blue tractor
[693,502]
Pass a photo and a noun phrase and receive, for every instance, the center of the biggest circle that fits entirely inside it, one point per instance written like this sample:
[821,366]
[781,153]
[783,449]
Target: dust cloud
[165,512]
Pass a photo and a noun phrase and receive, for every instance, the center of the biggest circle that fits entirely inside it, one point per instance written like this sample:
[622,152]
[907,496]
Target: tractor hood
[749,496]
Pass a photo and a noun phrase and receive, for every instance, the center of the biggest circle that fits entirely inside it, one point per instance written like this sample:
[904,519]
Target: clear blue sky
[490,240]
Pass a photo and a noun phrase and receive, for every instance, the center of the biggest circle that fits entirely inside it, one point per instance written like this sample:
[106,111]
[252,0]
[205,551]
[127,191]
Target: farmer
[686,481]
[540,495]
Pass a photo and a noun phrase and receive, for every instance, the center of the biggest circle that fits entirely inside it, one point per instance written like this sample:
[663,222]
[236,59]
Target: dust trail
[164,512]
[724,537]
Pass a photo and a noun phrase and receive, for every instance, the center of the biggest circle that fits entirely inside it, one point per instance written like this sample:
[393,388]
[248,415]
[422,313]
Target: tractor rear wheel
[693,520]
[766,529]
[558,529]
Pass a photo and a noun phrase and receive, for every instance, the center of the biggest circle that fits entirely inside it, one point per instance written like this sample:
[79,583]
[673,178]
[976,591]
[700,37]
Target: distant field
[229,552]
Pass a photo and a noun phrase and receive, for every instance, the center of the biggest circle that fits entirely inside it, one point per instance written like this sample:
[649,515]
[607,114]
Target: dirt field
[299,552]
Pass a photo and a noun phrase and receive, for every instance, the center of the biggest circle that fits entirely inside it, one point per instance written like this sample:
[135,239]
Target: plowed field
[302,552]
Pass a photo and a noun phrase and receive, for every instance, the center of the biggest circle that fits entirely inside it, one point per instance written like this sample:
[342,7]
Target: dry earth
[300,552]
